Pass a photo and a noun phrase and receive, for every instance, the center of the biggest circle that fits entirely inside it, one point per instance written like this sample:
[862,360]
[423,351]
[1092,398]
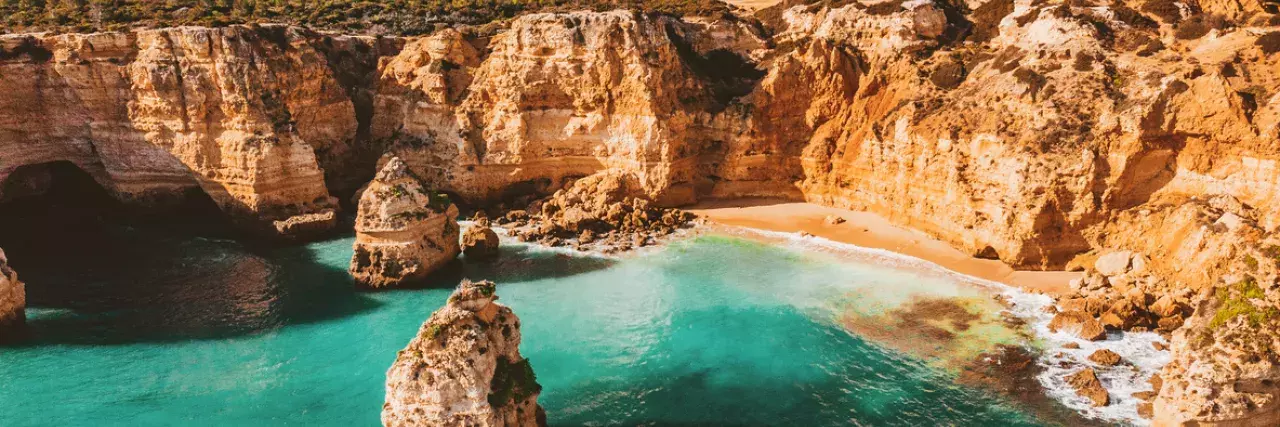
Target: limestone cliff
[464,368]
[1031,132]
[403,231]
[561,96]
[239,113]
[13,299]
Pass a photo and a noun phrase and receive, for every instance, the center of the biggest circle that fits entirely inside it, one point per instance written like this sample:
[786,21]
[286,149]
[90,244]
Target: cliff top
[374,17]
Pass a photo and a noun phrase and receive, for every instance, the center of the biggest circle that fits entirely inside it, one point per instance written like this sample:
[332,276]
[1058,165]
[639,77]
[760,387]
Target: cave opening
[55,215]
[56,193]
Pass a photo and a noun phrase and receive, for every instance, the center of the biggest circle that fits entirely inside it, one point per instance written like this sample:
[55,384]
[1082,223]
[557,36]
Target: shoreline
[869,230]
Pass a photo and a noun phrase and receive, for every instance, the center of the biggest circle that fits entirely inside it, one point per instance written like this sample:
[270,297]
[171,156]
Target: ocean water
[151,327]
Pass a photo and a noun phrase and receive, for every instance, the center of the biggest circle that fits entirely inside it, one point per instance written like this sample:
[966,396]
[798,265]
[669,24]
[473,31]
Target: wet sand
[872,231]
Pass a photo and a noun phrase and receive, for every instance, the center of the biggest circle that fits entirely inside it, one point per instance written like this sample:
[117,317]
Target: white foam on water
[1140,359]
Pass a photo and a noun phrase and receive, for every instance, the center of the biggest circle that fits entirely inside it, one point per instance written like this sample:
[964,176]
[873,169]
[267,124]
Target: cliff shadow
[96,276]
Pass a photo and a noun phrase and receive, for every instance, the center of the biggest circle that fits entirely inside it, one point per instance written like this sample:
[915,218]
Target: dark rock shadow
[96,276]
[516,263]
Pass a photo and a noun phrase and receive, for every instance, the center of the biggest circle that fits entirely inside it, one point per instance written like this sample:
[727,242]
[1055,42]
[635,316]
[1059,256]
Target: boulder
[480,243]
[1079,324]
[1114,263]
[833,220]
[1090,305]
[1087,385]
[1105,357]
[464,368]
[1123,315]
[1169,324]
[1166,306]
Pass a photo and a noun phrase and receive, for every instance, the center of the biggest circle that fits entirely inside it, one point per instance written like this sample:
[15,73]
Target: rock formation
[1032,132]
[597,211]
[403,231]
[480,242]
[13,299]
[1088,386]
[252,116]
[464,368]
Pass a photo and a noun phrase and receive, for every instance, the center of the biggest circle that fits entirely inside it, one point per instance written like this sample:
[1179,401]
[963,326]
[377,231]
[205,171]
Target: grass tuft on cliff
[1236,300]
[374,17]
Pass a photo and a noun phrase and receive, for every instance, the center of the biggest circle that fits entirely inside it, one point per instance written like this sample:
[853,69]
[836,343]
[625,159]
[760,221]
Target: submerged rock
[464,368]
[13,299]
[403,232]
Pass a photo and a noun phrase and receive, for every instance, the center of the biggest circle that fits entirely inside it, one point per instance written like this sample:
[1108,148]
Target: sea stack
[403,231]
[464,368]
[13,299]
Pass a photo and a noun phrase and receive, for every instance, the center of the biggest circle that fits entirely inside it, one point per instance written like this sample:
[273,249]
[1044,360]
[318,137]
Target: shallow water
[146,328]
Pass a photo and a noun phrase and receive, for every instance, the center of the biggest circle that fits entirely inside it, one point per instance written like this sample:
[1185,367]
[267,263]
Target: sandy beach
[872,231]
[753,4]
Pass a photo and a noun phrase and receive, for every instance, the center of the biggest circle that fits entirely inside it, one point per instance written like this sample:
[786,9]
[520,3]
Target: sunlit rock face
[464,368]
[560,96]
[13,300]
[404,232]
[1032,133]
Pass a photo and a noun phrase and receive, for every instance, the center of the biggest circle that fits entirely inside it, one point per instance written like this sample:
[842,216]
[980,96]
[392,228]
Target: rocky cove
[1048,135]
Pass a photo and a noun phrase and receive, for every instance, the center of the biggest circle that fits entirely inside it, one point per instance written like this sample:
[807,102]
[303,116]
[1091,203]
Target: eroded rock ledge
[464,368]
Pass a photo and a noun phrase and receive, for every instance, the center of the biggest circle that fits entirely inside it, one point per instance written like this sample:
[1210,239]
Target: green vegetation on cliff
[1238,300]
[391,17]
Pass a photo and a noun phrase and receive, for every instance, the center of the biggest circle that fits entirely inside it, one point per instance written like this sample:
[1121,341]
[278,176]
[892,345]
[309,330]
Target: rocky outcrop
[597,212]
[1086,384]
[1031,132]
[404,232]
[13,300]
[480,242]
[464,368]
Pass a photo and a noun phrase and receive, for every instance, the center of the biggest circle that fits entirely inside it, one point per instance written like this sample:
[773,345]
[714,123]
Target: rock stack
[403,231]
[598,211]
[13,299]
[464,368]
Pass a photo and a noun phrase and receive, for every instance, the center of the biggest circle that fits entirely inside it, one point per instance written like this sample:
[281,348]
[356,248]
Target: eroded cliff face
[13,300]
[239,113]
[560,96]
[464,368]
[403,230]
[1027,131]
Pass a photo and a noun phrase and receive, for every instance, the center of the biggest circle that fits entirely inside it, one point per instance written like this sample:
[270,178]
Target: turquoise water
[142,328]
